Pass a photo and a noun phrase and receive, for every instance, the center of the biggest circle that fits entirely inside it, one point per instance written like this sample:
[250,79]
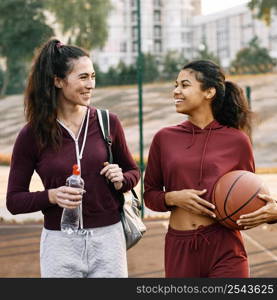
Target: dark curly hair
[229,106]
[40,100]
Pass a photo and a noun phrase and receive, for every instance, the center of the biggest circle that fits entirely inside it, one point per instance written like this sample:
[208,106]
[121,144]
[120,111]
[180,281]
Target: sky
[212,6]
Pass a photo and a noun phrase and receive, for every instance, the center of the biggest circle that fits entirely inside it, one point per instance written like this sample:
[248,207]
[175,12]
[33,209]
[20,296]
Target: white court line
[261,247]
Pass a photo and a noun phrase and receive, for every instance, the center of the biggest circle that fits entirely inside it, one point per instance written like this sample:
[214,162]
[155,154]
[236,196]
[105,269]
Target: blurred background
[138,48]
[239,35]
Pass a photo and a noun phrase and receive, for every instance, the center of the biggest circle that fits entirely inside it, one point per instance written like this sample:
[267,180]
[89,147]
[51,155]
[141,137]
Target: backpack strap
[104,122]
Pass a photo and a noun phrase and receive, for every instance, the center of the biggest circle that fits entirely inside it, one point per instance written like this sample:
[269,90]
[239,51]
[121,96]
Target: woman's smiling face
[188,95]
[76,87]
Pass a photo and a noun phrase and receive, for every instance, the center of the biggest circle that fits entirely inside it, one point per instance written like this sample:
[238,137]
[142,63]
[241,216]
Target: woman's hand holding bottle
[66,197]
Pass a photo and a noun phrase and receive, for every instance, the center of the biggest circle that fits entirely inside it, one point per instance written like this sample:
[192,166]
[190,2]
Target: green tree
[84,20]
[204,53]
[22,29]
[127,74]
[172,64]
[263,9]
[123,74]
[150,68]
[116,75]
[100,76]
[253,59]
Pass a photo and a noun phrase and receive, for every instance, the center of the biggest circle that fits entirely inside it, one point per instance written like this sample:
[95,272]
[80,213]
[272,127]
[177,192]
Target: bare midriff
[181,219]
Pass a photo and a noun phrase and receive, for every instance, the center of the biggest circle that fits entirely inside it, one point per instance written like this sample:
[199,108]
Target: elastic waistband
[84,232]
[201,229]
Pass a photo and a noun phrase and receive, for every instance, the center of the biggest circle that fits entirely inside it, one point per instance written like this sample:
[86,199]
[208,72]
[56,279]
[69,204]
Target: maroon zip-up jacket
[100,202]
[188,157]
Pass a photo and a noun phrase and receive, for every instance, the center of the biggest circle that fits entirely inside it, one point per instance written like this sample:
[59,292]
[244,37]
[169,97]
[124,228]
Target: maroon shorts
[209,251]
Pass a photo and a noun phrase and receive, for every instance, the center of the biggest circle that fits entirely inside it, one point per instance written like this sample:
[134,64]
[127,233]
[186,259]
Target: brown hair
[40,100]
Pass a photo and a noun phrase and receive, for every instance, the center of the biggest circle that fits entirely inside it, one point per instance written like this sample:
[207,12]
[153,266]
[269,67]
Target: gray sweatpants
[98,252]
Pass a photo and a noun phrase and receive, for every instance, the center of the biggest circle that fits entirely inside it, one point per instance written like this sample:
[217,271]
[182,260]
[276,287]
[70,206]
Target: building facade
[229,31]
[165,25]
[177,25]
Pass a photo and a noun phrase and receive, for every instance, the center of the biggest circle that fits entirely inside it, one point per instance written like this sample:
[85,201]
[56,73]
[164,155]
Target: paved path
[19,251]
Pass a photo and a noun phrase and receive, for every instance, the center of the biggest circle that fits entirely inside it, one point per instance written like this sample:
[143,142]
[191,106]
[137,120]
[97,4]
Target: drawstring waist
[194,240]
[84,234]
[195,236]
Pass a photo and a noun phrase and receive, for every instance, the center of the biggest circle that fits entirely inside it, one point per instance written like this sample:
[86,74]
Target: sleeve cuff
[165,206]
[124,187]
[44,199]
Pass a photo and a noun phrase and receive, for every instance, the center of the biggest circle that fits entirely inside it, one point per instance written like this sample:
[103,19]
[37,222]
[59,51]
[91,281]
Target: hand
[262,215]
[114,173]
[189,200]
[66,197]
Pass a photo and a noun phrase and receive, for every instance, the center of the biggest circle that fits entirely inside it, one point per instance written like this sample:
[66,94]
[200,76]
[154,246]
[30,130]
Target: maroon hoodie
[188,157]
[100,202]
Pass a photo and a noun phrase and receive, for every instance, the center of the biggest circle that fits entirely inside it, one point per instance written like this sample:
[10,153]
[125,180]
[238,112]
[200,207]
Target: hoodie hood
[189,127]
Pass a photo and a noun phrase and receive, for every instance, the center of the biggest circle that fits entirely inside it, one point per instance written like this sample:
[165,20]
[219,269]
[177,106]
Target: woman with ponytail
[184,163]
[62,130]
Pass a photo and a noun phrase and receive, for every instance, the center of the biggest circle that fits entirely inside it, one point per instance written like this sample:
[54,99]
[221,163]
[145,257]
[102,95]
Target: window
[134,32]
[157,15]
[157,31]
[123,47]
[135,47]
[134,16]
[186,37]
[158,46]
[222,37]
[157,3]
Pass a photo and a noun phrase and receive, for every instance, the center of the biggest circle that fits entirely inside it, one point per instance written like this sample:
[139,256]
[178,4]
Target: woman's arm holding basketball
[266,214]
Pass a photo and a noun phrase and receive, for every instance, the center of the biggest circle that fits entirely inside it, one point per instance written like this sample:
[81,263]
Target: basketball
[235,194]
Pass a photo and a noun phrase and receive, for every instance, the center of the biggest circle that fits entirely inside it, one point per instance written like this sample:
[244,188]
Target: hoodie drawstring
[203,156]
[79,154]
[192,140]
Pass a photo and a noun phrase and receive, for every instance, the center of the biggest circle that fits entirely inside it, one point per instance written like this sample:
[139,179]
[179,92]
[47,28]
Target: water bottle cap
[76,170]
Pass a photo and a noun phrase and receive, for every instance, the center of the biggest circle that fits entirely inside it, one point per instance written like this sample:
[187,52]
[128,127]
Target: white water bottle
[71,217]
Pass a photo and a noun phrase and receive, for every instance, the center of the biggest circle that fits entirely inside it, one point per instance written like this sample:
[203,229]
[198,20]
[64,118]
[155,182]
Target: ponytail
[234,110]
[40,100]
